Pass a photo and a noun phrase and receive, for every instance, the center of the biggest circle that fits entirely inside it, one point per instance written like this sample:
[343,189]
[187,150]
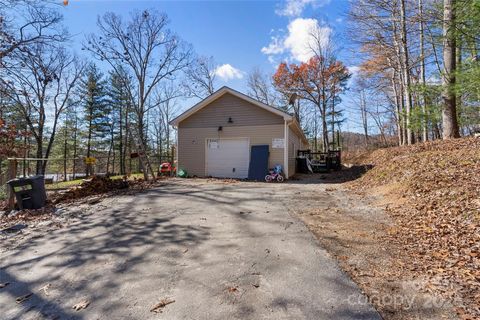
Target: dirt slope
[432,192]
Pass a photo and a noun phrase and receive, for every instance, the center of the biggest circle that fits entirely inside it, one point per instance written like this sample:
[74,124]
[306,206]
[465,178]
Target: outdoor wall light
[220,128]
[230,120]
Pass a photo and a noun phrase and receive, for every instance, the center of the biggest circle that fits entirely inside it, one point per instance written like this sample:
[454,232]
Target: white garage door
[228,158]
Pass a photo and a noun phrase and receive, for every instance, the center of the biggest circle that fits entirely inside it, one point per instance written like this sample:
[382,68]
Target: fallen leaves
[438,224]
[23,298]
[102,187]
[223,181]
[10,223]
[93,186]
[81,305]
[45,288]
[232,289]
[91,192]
[158,308]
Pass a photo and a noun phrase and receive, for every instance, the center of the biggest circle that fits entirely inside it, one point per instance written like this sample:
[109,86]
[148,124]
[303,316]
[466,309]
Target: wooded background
[419,80]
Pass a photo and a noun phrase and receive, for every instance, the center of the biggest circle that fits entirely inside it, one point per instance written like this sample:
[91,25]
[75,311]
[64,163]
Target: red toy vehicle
[166,169]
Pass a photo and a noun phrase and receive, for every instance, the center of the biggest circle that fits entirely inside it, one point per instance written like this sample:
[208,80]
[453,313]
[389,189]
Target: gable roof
[222,91]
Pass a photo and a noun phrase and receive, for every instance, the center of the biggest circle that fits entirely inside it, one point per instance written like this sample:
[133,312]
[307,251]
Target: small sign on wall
[213,144]
[278,143]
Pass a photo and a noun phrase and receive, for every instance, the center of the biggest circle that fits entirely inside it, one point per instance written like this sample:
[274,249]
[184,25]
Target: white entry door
[228,158]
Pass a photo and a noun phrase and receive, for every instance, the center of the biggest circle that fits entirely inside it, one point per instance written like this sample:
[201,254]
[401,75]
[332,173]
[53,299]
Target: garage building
[231,135]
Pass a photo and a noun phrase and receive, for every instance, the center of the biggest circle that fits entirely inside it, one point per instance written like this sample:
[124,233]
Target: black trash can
[29,192]
[302,166]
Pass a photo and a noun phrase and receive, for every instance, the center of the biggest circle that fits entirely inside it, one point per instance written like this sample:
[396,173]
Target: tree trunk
[126,144]
[458,56]
[363,109]
[401,83]
[161,149]
[65,152]
[109,154]
[167,134]
[323,114]
[436,130]
[113,161]
[422,73]
[39,155]
[449,112]
[404,113]
[333,116]
[50,143]
[315,141]
[142,140]
[74,167]
[121,159]
[406,70]
[325,132]
[89,142]
[398,112]
[24,163]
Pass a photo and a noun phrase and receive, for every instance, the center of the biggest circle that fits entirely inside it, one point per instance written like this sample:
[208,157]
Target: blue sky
[233,32]
[240,35]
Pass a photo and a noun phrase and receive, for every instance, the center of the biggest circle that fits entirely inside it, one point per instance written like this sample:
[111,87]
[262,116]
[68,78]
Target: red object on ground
[166,168]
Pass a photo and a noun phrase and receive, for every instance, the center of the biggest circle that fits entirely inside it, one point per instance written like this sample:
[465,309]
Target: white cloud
[228,72]
[298,40]
[354,70]
[294,8]
[339,20]
[276,46]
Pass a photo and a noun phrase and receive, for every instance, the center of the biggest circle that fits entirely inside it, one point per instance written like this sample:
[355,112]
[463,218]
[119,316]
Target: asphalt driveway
[219,250]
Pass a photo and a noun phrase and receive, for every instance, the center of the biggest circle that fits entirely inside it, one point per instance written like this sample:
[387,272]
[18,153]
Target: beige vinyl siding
[192,143]
[294,144]
[227,106]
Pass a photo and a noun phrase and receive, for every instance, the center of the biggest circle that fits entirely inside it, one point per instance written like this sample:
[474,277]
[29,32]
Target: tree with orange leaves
[320,81]
[10,136]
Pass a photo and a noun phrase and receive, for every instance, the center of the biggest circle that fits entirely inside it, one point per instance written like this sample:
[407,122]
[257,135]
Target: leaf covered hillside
[433,195]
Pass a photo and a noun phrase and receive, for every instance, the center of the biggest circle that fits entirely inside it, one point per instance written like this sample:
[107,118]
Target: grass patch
[132,176]
[64,184]
[3,193]
[77,182]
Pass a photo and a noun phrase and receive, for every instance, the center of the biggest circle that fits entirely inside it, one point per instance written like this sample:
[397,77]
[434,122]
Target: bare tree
[364,113]
[201,77]
[24,22]
[147,49]
[40,81]
[322,48]
[422,69]
[166,97]
[384,29]
[260,87]
[406,69]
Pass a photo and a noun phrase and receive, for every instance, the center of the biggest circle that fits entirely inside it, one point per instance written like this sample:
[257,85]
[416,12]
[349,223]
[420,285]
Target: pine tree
[96,110]
[66,144]
[120,106]
[468,65]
